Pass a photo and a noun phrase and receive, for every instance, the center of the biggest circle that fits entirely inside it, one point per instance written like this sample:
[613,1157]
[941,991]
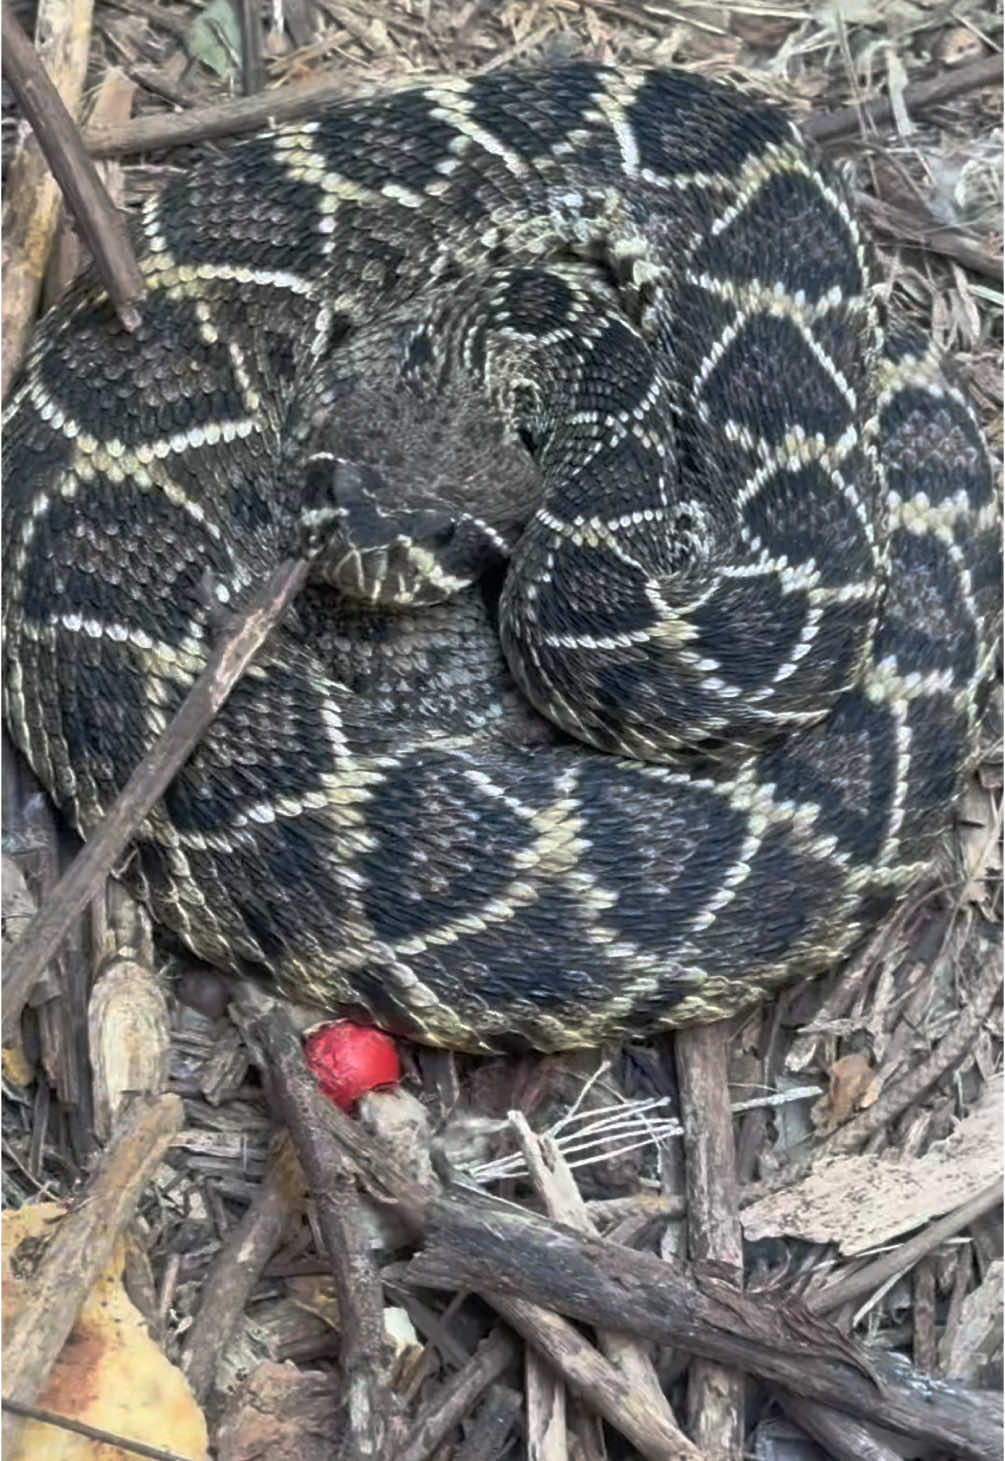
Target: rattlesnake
[654,560]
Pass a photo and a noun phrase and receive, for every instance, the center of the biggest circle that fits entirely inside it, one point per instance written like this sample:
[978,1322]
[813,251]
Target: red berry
[348,1060]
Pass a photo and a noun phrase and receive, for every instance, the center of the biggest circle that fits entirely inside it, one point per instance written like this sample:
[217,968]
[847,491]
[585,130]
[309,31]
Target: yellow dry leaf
[110,1374]
[16,1066]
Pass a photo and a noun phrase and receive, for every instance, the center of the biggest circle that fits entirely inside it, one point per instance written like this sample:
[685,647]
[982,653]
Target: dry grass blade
[611,1131]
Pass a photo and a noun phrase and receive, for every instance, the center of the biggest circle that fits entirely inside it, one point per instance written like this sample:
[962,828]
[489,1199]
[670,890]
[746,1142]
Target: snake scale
[654,562]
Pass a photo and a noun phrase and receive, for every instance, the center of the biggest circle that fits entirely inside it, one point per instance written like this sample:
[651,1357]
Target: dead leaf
[110,1374]
[852,1088]
[214,38]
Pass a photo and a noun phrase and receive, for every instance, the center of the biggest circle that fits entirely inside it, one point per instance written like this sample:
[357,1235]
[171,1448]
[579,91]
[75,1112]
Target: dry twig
[449,1404]
[239,1266]
[545,1406]
[499,1252]
[555,1184]
[224,119]
[593,1377]
[715,1396]
[372,1428]
[901,1259]
[917,230]
[489,1434]
[601,1284]
[842,1436]
[252,66]
[31,205]
[895,1099]
[113,102]
[848,121]
[92,1433]
[96,215]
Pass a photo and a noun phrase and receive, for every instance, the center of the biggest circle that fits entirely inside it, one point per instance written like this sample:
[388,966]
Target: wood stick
[617,1288]
[224,119]
[81,1249]
[489,1434]
[32,200]
[239,1266]
[553,1180]
[372,1432]
[856,1286]
[269,1029]
[157,82]
[547,1431]
[593,1377]
[954,1312]
[92,1433]
[449,1404]
[895,1099]
[919,95]
[252,66]
[545,1403]
[600,1284]
[715,1396]
[96,216]
[921,231]
[167,20]
[113,102]
[291,102]
[149,781]
[842,1437]
[925,1349]
[435,1330]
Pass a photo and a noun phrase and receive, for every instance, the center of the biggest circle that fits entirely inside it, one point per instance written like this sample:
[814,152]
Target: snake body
[654,562]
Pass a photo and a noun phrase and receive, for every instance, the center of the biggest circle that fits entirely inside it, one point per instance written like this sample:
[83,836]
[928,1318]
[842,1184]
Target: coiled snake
[654,563]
